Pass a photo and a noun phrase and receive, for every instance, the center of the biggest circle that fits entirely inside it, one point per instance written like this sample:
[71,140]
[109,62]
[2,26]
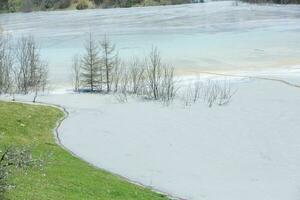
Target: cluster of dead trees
[210,92]
[21,68]
[100,69]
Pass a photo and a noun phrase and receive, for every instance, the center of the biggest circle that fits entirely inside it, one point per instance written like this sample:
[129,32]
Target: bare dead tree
[188,95]
[121,84]
[167,87]
[108,60]
[27,57]
[116,75]
[193,92]
[197,90]
[137,74]
[76,73]
[13,89]
[6,64]
[226,93]
[31,72]
[211,94]
[40,80]
[125,80]
[91,73]
[160,78]
[154,72]
[218,92]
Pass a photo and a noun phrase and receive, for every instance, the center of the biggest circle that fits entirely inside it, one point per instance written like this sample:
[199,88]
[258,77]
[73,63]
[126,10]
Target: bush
[47,4]
[107,4]
[150,3]
[14,159]
[165,2]
[3,4]
[26,6]
[14,5]
[62,4]
[98,2]
[82,4]
[175,2]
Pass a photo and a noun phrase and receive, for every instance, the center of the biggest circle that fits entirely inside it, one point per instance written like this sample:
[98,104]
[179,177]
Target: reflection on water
[209,36]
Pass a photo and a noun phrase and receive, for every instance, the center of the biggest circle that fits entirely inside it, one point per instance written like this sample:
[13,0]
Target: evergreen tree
[91,72]
[108,60]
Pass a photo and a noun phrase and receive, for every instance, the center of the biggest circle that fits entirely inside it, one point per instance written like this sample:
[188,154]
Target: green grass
[63,176]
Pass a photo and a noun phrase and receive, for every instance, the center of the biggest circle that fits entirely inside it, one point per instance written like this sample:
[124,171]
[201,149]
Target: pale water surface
[210,36]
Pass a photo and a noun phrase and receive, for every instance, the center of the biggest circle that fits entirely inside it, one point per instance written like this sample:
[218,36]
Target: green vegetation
[36,5]
[62,175]
[82,4]
[273,1]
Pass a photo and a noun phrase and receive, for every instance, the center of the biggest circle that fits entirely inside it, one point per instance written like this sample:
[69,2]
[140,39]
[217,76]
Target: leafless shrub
[31,70]
[151,78]
[154,73]
[187,97]
[167,88]
[121,96]
[6,64]
[137,70]
[217,92]
[76,65]
[197,90]
[192,92]
[160,78]
[116,75]
[13,89]
[122,89]
[40,80]
[226,94]
[211,92]
[21,69]
[124,81]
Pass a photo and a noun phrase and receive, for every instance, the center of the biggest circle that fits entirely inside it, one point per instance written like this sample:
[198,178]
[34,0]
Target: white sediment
[210,36]
[246,150]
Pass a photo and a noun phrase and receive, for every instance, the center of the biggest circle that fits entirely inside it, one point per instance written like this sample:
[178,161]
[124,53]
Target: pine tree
[108,60]
[91,72]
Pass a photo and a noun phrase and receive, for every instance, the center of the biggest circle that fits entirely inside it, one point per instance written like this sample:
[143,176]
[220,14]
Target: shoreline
[231,75]
[67,106]
[58,140]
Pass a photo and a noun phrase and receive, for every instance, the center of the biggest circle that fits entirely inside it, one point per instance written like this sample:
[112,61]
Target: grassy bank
[63,176]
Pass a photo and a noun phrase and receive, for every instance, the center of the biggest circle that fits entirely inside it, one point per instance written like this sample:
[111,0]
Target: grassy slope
[64,176]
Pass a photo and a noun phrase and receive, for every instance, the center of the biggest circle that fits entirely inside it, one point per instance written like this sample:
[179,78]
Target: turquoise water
[209,36]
